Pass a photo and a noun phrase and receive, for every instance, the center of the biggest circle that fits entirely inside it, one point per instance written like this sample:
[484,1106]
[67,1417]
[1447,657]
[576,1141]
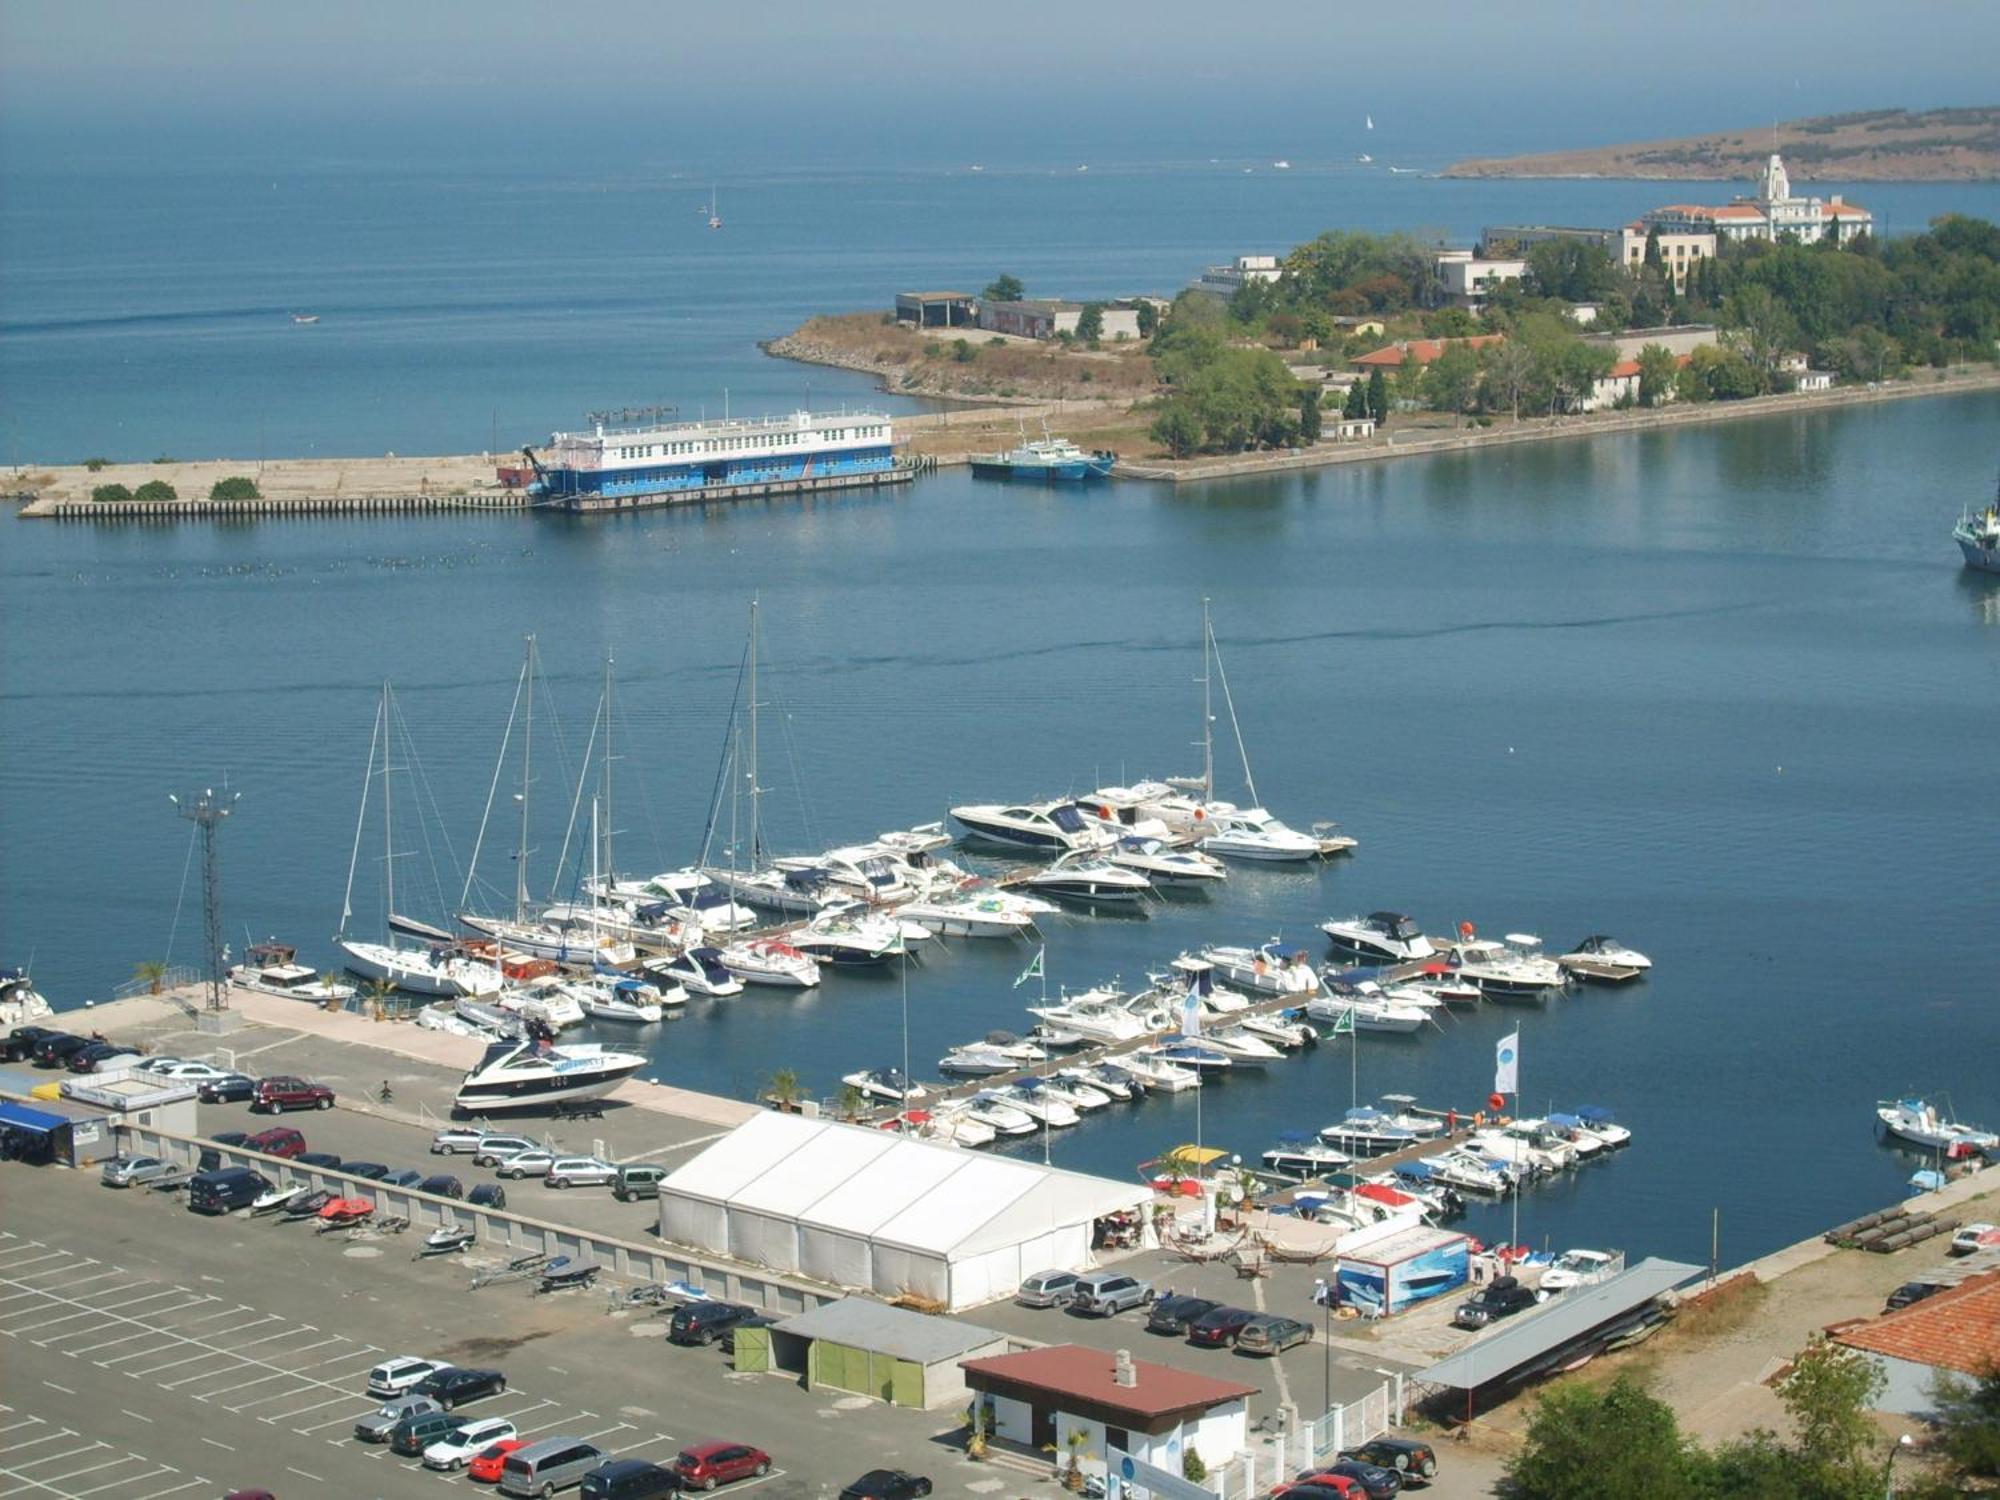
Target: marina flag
[1343,1024]
[1191,1012]
[1034,969]
[1507,1064]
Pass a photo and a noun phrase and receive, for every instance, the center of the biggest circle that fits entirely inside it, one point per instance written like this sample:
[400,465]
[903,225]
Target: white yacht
[20,1003]
[608,997]
[690,897]
[972,913]
[1381,937]
[1000,1052]
[767,961]
[536,1075]
[273,969]
[546,1002]
[1268,970]
[1300,1155]
[574,945]
[1098,1015]
[1156,1074]
[1040,1104]
[421,971]
[1091,878]
[1245,1048]
[848,937]
[800,890]
[868,873]
[701,971]
[988,1108]
[1517,971]
[886,1083]
[1165,865]
[1253,833]
[1172,805]
[1602,959]
[1052,827]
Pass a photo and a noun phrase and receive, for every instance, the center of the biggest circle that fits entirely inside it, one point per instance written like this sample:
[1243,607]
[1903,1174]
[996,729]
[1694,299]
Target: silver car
[494,1149]
[126,1171]
[575,1171]
[1046,1289]
[379,1423]
[1105,1294]
[534,1162]
[457,1142]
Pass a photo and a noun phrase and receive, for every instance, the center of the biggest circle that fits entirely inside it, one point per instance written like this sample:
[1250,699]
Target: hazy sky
[1031,74]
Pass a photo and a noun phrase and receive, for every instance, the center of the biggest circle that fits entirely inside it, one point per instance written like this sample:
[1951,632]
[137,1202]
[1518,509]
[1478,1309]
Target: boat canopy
[1067,818]
[807,878]
[652,911]
[1416,1171]
[1594,1114]
[1200,1156]
[1567,1122]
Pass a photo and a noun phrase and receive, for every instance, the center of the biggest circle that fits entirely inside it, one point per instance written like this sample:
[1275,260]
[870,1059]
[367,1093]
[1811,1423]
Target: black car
[442,1186]
[1214,1329]
[1500,1298]
[54,1050]
[401,1177]
[230,1137]
[887,1484]
[487,1195]
[705,1322]
[231,1088]
[22,1041]
[1911,1291]
[1378,1482]
[86,1059]
[326,1161]
[372,1171]
[1415,1461]
[1176,1315]
[453,1386]
[755,1320]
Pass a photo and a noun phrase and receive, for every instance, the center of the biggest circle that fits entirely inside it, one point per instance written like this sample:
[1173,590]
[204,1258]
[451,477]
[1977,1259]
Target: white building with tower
[1773,212]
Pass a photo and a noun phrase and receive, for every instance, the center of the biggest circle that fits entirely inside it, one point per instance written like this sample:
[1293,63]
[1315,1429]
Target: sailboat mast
[388,819]
[756,832]
[1207,714]
[527,777]
[609,869]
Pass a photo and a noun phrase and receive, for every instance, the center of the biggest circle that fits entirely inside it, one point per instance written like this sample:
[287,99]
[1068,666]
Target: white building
[1773,212]
[1227,281]
[1467,277]
[875,1212]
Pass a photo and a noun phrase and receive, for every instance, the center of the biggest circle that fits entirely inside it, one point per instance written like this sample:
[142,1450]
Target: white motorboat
[1085,877]
[1439,1200]
[997,1113]
[535,1075]
[803,890]
[1598,1122]
[971,913]
[1041,1104]
[1080,1096]
[1268,970]
[1469,1172]
[767,961]
[1165,866]
[1366,1007]
[1054,1038]
[1254,833]
[867,873]
[1441,985]
[1174,805]
[911,843]
[1602,959]
[1923,1124]
[1298,1155]
[690,897]
[1186,1052]
[20,1003]
[977,1060]
[1523,1143]
[607,997]
[1284,1028]
[279,1196]
[439,1015]
[654,924]
[1245,1048]
[1104,1078]
[1401,1110]
[1514,973]
[1099,1015]
[950,1125]
[1155,1073]
[1199,975]
[1575,1268]
[1052,827]
[1378,938]
[421,971]
[542,1002]
[487,1019]
[273,969]
[1367,1131]
[848,937]
[886,1083]
[1586,1144]
[1417,995]
[701,971]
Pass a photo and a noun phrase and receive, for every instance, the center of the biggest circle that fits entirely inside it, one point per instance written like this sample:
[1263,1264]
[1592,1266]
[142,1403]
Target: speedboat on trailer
[1082,876]
[1051,827]
[537,1075]
[767,961]
[1165,866]
[701,971]
[1379,937]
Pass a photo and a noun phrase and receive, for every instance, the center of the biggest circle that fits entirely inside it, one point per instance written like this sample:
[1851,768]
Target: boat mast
[1207,714]
[609,869]
[361,817]
[1229,702]
[388,824]
[756,832]
[527,778]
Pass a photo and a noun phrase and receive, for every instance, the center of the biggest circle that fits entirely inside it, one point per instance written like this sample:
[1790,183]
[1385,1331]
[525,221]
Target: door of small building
[1043,1425]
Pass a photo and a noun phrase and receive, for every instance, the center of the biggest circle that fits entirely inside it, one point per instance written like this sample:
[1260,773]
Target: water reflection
[1982,592]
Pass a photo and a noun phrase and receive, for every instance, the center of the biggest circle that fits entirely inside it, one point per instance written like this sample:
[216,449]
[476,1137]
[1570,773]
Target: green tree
[1004,289]
[1309,416]
[97,465]
[1714,373]
[1575,270]
[1378,396]
[235,487]
[1969,1422]
[1177,428]
[109,492]
[783,1089]
[1827,1396]
[1316,325]
[1090,322]
[1653,261]
[1452,379]
[1510,370]
[1657,368]
[963,352]
[1765,328]
[1355,408]
[1149,317]
[1614,1443]
[154,490]
[152,974]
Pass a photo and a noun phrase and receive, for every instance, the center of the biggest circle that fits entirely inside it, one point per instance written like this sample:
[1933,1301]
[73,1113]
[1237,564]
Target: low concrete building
[1815,380]
[1609,390]
[1046,318]
[1467,277]
[135,1098]
[1335,429]
[937,309]
[871,1349]
[1513,239]
[1953,1332]
[1154,1412]
[54,1131]
[1227,281]
[1682,250]
[1682,339]
[1393,357]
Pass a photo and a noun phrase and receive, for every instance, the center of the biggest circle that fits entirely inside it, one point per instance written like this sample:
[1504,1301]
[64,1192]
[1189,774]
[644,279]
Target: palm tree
[379,993]
[784,1090]
[1073,1475]
[851,1103]
[152,974]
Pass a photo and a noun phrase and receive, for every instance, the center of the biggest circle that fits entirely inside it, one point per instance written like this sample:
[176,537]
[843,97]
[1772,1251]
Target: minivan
[552,1464]
[1102,1294]
[637,1182]
[630,1479]
[225,1188]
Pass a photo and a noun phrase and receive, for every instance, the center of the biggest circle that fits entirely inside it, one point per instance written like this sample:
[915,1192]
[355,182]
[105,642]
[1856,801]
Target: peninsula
[1884,145]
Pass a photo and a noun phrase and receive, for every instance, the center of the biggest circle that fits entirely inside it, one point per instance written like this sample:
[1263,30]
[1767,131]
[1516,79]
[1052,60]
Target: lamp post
[1889,1465]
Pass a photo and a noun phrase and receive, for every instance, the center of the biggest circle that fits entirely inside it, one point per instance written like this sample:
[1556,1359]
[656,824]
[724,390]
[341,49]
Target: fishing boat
[1923,1124]
[770,962]
[1978,536]
[1088,878]
[20,1003]
[1049,460]
[1602,959]
[1378,938]
[535,1075]
[701,971]
[1299,1155]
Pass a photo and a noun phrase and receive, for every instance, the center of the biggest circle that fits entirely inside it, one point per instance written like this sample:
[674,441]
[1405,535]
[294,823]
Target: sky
[103,80]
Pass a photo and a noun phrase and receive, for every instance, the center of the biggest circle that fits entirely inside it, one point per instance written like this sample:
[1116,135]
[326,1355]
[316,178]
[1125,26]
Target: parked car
[195,1073]
[1374,1481]
[285,1092]
[637,1180]
[1177,1314]
[157,1064]
[1046,1289]
[93,1059]
[54,1050]
[22,1040]
[485,1469]
[125,1171]
[533,1162]
[1214,1329]
[1103,1294]
[548,1465]
[225,1189]
[630,1479]
[1974,1237]
[442,1186]
[418,1431]
[887,1484]
[401,1177]
[1321,1487]
[579,1171]
[368,1171]
[705,1322]
[280,1140]
[706,1465]
[325,1160]
[406,1372]
[1415,1461]
[230,1088]
[463,1446]
[1272,1334]
[494,1149]
[231,1137]
[379,1423]
[456,1142]
[452,1387]
[1911,1291]
[1500,1298]
[487,1195]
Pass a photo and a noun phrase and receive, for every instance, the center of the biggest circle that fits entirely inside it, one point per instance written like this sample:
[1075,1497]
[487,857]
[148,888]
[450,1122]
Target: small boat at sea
[1381,937]
[1602,959]
[1923,1124]
[1978,536]
[1050,460]
[305,320]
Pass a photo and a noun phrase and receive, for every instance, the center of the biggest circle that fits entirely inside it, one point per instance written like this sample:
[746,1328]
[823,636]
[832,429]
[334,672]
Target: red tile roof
[1070,1370]
[1736,211]
[1624,369]
[1423,351]
[1957,1329]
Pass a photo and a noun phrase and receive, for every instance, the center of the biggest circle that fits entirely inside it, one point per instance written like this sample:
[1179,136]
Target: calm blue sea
[1724,692]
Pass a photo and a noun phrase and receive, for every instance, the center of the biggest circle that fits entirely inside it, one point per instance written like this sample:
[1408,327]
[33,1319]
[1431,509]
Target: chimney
[1126,1373]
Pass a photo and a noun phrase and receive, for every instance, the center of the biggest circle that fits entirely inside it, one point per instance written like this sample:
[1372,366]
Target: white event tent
[878,1212]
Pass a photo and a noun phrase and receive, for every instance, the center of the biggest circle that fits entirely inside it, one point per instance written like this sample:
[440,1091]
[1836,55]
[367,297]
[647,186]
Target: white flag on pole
[1507,1064]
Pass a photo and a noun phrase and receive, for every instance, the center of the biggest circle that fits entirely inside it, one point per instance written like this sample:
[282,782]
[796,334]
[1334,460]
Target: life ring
[1498,1101]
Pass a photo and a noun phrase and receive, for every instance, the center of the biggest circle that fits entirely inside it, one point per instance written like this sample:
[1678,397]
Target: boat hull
[540,1093]
[1979,558]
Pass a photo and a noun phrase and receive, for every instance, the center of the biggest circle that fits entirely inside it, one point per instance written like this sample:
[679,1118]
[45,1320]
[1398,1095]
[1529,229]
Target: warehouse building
[871,1349]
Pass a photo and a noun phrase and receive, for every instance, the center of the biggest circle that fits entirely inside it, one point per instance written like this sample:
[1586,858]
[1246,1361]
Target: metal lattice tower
[206,811]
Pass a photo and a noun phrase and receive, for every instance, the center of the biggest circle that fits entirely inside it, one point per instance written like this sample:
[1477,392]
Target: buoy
[1498,1101]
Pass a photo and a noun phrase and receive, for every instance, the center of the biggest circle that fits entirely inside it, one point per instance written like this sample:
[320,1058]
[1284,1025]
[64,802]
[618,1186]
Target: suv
[415,1433]
[1104,1293]
[394,1377]
[379,1423]
[705,1322]
[451,1387]
[1413,1460]
[706,1465]
[1046,1289]
[639,1181]
[578,1171]
[1498,1299]
[494,1149]
[630,1479]
[279,1140]
[53,1050]
[1178,1314]
[284,1092]
[22,1041]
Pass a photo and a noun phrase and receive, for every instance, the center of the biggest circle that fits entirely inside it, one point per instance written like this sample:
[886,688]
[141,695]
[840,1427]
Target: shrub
[166,458]
[1192,1468]
[95,465]
[235,487]
[155,490]
[108,492]
[963,352]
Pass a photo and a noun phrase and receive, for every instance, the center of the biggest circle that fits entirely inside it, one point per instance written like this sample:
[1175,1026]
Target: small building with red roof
[1419,351]
[1038,1397]
[1952,1332]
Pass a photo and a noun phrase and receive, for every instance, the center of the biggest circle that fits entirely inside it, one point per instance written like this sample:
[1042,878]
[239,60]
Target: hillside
[1884,145]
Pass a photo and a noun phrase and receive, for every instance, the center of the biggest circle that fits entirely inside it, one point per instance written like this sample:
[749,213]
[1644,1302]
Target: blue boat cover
[1567,1122]
[652,911]
[1594,1115]
[1068,819]
[1416,1171]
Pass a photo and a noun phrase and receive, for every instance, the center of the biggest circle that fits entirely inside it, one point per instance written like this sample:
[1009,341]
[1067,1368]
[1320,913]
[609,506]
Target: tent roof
[900,1191]
[895,1331]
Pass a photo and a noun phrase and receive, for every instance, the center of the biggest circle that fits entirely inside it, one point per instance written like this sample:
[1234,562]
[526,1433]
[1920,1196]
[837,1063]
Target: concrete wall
[1908,1392]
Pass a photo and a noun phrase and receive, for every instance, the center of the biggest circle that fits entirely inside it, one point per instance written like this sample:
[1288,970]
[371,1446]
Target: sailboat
[714,209]
[435,969]
[1368,122]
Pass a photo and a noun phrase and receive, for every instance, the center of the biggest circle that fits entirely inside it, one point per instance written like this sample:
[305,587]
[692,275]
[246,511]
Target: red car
[706,1465]
[486,1467]
[280,1140]
[282,1093]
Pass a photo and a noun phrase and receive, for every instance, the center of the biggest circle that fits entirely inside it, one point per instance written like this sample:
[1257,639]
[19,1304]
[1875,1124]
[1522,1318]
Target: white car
[1975,1237]
[395,1376]
[190,1072]
[466,1444]
[155,1064]
[576,1171]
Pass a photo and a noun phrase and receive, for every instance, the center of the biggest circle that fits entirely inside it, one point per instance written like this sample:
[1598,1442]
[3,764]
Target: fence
[177,977]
